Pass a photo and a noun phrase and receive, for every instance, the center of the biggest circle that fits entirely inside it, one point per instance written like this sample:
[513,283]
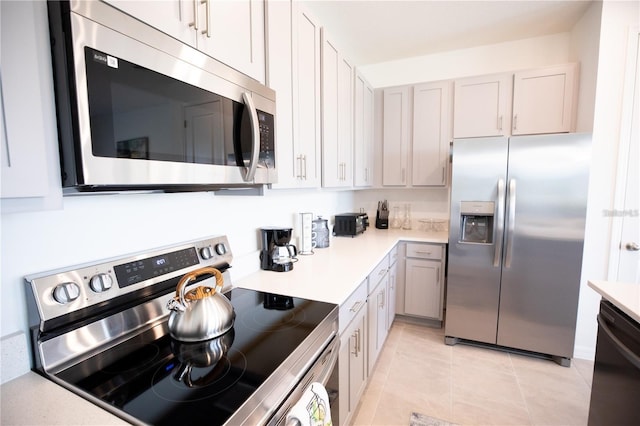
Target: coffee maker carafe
[277,254]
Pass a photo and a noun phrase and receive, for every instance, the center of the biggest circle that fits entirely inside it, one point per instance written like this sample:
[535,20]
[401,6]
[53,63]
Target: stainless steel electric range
[100,330]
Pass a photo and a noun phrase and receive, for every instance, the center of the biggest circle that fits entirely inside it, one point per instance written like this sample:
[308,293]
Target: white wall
[508,56]
[617,19]
[94,227]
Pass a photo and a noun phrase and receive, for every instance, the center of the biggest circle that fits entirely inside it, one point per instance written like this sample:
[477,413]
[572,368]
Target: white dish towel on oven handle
[312,409]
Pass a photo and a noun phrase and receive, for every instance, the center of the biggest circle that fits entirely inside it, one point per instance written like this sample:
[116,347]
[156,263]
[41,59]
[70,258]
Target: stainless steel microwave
[140,110]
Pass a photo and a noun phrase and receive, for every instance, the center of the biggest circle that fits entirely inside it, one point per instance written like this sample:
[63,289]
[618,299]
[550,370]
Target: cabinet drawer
[425,251]
[378,273]
[353,305]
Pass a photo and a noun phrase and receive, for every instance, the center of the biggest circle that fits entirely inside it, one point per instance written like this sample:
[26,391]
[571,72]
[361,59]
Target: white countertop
[625,296]
[33,400]
[332,274]
[329,275]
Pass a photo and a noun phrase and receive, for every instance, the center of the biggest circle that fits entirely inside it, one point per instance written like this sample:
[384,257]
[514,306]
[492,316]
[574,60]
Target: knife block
[382,219]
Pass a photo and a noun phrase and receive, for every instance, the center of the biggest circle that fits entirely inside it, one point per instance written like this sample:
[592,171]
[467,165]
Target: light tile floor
[462,384]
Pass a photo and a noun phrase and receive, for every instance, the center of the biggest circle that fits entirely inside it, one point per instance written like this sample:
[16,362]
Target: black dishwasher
[615,393]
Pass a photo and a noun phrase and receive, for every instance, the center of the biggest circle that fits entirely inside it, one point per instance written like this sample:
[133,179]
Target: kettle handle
[200,292]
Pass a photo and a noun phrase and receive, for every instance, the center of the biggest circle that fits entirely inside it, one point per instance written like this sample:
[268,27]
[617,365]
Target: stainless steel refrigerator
[518,208]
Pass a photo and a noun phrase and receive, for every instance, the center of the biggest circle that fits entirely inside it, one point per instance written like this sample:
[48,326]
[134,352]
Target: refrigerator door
[473,284]
[544,233]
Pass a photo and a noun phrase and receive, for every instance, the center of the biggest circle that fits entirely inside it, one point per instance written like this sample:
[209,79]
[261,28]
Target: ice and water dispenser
[476,222]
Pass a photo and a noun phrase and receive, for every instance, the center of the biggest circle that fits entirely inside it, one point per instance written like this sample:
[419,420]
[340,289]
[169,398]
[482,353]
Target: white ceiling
[372,31]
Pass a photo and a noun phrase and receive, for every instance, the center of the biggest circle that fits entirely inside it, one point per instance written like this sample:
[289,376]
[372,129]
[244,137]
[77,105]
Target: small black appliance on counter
[382,215]
[350,224]
[277,254]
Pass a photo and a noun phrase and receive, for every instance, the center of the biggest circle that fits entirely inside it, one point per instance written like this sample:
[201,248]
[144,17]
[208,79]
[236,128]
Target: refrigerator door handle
[500,224]
[511,222]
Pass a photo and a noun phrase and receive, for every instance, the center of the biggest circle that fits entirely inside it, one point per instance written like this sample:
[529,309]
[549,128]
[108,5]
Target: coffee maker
[277,254]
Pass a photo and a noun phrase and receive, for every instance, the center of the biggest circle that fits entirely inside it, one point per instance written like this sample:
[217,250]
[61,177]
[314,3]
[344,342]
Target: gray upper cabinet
[529,102]
[363,160]
[293,71]
[337,115]
[30,172]
[395,139]
[232,32]
[432,105]
[482,106]
[416,134]
[544,100]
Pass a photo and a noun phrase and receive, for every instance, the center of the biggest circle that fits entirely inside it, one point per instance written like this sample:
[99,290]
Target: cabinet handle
[366,174]
[304,159]
[515,122]
[428,253]
[443,178]
[356,306]
[354,336]
[299,171]
[208,12]
[403,176]
[500,123]
[438,276]
[194,24]
[358,341]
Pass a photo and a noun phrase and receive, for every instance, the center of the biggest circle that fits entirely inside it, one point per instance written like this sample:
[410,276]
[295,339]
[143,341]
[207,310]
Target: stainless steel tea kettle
[202,313]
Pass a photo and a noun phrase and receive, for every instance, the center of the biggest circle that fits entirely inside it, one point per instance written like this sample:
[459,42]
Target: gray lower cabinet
[377,310]
[424,280]
[352,361]
[392,286]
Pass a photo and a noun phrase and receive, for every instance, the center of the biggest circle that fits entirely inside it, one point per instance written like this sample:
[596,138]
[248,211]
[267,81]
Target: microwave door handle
[255,137]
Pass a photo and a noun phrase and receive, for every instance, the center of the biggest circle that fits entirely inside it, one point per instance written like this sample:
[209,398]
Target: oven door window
[141,114]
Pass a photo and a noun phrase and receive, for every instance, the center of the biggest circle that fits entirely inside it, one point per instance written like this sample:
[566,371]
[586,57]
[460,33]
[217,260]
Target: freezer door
[545,219]
[473,285]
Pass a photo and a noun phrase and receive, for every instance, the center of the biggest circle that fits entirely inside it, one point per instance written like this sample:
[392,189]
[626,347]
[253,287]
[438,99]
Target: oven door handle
[255,138]
[331,363]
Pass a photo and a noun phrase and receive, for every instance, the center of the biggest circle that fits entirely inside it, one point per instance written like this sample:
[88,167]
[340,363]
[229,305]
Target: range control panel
[70,289]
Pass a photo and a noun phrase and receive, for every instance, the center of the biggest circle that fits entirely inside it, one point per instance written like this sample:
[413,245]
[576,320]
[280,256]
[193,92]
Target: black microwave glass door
[138,113]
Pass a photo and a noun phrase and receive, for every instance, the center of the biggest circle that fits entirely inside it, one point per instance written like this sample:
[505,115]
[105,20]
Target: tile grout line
[524,400]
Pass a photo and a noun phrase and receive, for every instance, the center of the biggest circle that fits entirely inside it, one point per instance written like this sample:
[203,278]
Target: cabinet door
[395,140]
[357,364]
[543,100]
[377,321]
[29,158]
[391,294]
[337,136]
[423,288]
[173,17]
[431,133]
[352,366]
[233,33]
[363,132]
[482,106]
[306,96]
[279,78]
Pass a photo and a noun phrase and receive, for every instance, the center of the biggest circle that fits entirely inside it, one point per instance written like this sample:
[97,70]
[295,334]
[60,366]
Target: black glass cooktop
[161,381]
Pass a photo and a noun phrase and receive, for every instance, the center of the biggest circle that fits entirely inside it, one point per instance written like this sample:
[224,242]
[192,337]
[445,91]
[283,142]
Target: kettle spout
[176,306]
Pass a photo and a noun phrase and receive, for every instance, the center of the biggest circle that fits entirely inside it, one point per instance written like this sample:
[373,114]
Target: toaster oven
[350,224]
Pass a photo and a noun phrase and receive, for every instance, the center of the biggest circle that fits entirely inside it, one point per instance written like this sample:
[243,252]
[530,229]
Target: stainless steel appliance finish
[137,109]
[615,391]
[101,330]
[202,313]
[518,209]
